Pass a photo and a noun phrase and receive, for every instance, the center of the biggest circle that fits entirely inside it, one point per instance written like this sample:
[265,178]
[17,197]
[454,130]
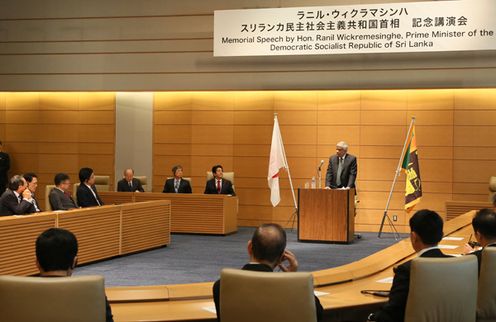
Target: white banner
[357,29]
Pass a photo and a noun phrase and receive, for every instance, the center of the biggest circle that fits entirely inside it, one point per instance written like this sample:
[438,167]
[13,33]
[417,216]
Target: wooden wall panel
[47,133]
[453,133]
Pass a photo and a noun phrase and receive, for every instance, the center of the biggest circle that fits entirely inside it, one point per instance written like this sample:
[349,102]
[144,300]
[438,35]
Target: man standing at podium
[342,169]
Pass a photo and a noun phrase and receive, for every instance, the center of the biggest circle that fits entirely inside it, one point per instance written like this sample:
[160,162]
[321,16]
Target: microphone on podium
[321,164]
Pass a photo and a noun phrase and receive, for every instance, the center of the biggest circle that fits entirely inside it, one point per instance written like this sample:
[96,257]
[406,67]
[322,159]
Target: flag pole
[397,174]
[289,173]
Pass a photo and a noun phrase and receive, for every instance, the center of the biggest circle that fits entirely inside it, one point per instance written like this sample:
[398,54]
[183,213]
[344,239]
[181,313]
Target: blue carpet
[198,258]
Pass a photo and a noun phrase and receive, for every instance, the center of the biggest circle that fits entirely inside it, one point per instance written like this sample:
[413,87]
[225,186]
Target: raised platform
[102,232]
[190,213]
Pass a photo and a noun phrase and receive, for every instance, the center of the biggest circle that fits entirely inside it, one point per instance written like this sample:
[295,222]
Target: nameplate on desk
[387,280]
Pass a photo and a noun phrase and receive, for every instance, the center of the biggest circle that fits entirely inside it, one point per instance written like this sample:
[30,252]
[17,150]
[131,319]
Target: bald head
[129,174]
[268,243]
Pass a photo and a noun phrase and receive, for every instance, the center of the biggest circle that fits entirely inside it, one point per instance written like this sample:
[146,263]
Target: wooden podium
[326,215]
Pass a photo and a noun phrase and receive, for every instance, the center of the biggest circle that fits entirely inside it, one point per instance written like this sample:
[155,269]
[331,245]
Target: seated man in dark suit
[267,250]
[484,224]
[56,256]
[60,198]
[177,184]
[32,180]
[16,200]
[86,194]
[219,185]
[129,183]
[426,232]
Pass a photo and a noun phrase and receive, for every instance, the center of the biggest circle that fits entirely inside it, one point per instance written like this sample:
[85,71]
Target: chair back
[486,297]
[442,289]
[102,183]
[143,180]
[56,299]
[48,188]
[492,188]
[247,296]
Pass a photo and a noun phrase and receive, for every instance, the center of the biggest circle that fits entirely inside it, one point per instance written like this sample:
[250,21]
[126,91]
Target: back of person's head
[428,226]
[85,174]
[484,223]
[268,243]
[59,178]
[215,167]
[29,176]
[16,182]
[56,249]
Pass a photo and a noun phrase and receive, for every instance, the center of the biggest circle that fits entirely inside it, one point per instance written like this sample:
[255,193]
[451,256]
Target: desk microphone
[321,163]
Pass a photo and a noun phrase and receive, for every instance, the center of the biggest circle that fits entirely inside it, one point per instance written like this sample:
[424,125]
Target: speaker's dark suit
[60,200]
[226,188]
[478,253]
[394,309]
[85,197]
[348,174]
[123,186]
[258,268]
[184,186]
[10,205]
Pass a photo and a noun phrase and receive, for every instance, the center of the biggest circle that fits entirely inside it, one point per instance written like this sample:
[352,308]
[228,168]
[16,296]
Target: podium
[326,215]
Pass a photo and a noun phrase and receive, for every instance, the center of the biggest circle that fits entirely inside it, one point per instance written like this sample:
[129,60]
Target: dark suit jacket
[478,253]
[123,186]
[258,268]
[37,204]
[226,189]
[60,201]
[4,169]
[348,175]
[85,197]
[9,205]
[184,186]
[394,309]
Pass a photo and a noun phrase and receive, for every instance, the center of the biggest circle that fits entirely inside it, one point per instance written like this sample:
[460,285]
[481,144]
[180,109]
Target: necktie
[176,186]
[96,198]
[131,184]
[20,198]
[36,205]
[340,170]
[218,186]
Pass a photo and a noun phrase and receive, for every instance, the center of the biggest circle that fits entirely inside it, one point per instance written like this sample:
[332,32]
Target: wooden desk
[191,213]
[326,215]
[102,232]
[455,208]
[344,301]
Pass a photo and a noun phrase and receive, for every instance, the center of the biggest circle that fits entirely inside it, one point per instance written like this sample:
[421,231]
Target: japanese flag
[276,163]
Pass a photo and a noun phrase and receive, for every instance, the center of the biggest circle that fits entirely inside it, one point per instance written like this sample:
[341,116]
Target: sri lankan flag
[413,189]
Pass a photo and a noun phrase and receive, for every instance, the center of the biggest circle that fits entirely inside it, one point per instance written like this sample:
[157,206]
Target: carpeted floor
[197,258]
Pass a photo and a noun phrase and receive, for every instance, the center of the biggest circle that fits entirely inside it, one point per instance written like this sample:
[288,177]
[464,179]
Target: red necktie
[218,186]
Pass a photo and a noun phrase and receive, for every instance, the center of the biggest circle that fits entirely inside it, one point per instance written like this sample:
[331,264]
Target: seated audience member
[267,250]
[4,169]
[56,256]
[129,183]
[177,184]
[16,200]
[32,180]
[86,194]
[426,232]
[219,185]
[484,224]
[60,198]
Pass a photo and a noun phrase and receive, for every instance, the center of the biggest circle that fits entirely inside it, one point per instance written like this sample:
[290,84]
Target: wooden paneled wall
[455,130]
[47,133]
[129,45]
